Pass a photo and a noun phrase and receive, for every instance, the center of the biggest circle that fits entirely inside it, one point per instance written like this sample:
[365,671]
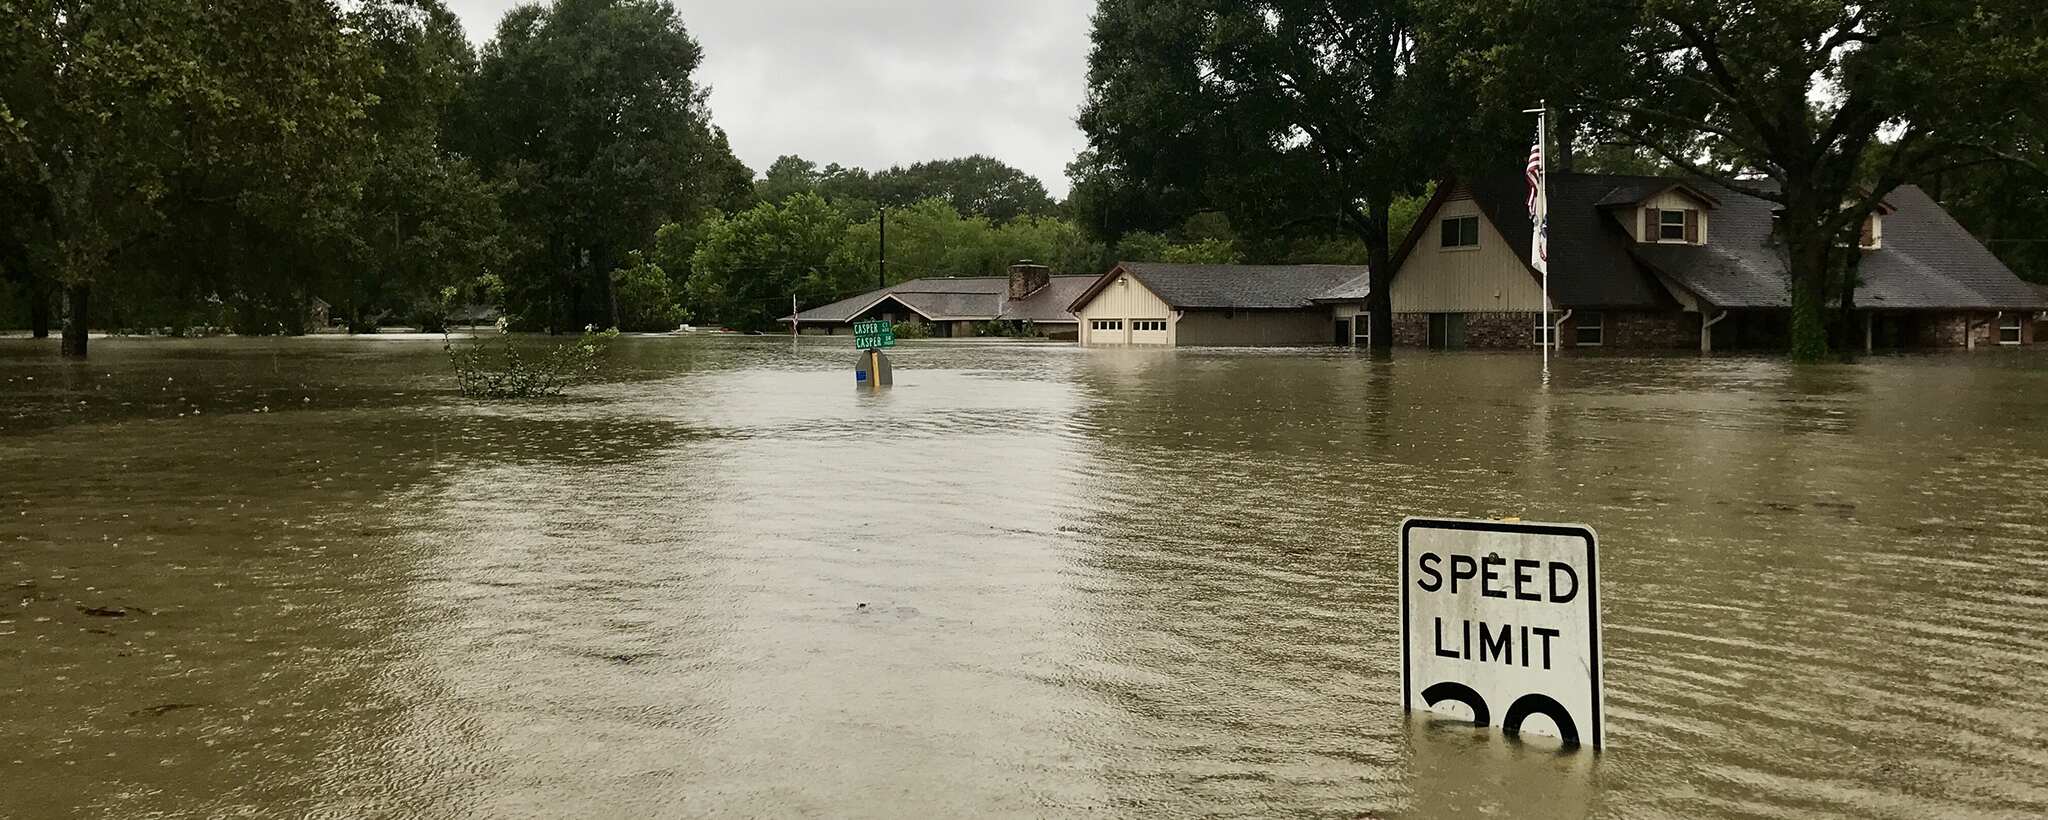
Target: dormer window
[1674,226]
[1671,226]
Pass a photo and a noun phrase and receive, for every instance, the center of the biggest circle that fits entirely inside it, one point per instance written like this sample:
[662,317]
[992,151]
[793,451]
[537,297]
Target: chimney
[1026,277]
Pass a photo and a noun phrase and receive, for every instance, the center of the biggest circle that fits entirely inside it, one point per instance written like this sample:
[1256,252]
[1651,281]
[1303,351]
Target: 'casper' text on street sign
[873,335]
[1503,620]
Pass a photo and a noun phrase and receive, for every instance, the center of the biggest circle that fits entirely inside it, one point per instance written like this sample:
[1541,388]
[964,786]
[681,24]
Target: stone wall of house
[1952,330]
[1640,330]
[1411,329]
[1499,331]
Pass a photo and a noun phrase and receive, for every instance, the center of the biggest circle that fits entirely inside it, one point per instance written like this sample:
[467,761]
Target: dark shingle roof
[1927,260]
[960,297]
[1589,261]
[1049,303]
[1245,287]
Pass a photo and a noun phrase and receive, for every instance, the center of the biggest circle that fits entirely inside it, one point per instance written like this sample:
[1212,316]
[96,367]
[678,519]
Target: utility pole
[882,269]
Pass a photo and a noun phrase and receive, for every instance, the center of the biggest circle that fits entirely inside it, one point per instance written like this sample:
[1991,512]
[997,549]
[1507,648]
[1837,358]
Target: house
[956,305]
[1642,262]
[1156,303]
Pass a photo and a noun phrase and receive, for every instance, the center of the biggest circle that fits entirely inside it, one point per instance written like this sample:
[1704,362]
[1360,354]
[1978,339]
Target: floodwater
[303,578]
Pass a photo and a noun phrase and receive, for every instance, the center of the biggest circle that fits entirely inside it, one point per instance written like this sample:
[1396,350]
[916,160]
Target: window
[1143,325]
[2009,329]
[1671,226]
[1589,330]
[1869,239]
[1361,330]
[1461,232]
[1105,324]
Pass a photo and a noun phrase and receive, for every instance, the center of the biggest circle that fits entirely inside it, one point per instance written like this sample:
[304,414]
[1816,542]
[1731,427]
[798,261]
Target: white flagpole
[1543,203]
[1538,217]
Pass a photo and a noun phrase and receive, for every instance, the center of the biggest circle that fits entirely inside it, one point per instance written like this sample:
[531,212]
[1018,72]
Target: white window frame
[1105,325]
[2018,329]
[1361,330]
[1148,325]
[1473,218]
[1599,329]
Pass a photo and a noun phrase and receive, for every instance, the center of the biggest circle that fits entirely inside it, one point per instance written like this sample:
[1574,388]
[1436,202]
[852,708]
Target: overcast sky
[876,83]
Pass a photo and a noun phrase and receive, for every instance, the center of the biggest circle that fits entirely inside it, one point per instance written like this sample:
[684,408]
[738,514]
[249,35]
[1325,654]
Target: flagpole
[1540,214]
[1543,140]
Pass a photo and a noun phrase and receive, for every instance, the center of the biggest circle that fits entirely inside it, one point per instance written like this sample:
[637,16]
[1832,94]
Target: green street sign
[873,335]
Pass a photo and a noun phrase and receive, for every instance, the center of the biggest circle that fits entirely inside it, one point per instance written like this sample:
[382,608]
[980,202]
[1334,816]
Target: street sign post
[1500,621]
[872,369]
[873,335]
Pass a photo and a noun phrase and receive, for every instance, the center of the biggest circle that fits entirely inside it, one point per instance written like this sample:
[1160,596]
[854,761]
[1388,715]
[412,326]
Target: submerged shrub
[912,329]
[499,370]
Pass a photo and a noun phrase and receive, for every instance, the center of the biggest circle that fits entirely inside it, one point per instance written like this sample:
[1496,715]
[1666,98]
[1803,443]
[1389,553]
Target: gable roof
[1589,261]
[1927,260]
[949,298]
[1239,287]
[1638,190]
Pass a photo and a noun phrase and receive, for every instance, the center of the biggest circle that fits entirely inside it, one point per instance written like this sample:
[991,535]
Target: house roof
[1927,260]
[1636,191]
[1241,287]
[958,298]
[1589,261]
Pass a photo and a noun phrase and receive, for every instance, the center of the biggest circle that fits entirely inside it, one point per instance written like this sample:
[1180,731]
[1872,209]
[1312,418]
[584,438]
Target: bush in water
[912,329]
[498,370]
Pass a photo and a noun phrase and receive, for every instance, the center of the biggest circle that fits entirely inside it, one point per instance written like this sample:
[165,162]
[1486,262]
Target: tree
[1792,101]
[427,224]
[748,265]
[648,301]
[1292,116]
[976,185]
[123,123]
[589,112]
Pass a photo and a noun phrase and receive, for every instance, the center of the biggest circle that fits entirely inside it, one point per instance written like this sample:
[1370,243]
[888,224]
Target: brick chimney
[1026,277]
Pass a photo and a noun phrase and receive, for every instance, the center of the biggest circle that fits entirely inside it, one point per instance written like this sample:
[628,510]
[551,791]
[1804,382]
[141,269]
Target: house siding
[1126,299]
[1309,326]
[1490,279]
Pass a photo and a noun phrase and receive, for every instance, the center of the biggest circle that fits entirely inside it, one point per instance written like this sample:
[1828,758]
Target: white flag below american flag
[1539,208]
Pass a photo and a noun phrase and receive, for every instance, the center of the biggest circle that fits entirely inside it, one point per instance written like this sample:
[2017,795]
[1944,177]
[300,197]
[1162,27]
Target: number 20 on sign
[1501,622]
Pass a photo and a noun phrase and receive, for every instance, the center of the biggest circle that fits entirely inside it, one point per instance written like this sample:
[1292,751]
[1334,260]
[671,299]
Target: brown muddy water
[303,578]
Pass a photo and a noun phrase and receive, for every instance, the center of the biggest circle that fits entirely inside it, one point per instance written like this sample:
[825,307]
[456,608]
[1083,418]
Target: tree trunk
[78,304]
[39,312]
[1379,302]
[1845,328]
[1809,293]
[1565,134]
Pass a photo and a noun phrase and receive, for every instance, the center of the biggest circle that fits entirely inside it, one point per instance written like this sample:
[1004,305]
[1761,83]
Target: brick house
[1661,263]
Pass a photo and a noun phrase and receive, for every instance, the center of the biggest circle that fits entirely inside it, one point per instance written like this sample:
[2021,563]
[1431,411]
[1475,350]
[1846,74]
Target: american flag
[1539,208]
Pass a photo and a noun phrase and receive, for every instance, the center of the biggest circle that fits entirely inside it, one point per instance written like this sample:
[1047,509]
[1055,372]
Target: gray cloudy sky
[885,82]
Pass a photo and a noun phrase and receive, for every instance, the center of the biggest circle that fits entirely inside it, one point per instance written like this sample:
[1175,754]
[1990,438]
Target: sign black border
[1598,735]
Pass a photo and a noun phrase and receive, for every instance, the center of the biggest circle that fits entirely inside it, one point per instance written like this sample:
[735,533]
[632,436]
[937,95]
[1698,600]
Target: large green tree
[1291,116]
[590,113]
[1821,106]
[428,228]
[125,123]
[746,266]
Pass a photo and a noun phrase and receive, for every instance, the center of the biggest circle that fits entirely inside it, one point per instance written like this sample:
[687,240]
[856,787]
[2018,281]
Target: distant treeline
[170,166]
